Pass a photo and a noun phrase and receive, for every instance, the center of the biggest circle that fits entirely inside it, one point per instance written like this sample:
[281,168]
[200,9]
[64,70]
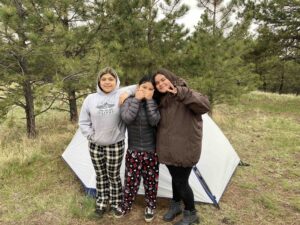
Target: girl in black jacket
[141,116]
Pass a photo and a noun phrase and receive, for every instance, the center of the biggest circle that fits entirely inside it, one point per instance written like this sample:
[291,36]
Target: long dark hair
[175,80]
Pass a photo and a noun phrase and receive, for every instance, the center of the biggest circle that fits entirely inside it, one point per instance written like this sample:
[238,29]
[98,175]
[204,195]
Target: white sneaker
[118,213]
[149,214]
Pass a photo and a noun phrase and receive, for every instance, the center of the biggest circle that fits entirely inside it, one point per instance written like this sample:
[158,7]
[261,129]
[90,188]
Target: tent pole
[206,188]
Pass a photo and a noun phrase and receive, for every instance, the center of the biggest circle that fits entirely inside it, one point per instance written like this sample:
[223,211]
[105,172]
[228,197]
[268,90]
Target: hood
[176,81]
[105,71]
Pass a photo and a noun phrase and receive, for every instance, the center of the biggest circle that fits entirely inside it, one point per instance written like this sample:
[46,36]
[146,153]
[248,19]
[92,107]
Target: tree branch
[49,106]
[204,5]
[226,14]
[82,95]
[60,109]
[21,104]
[73,75]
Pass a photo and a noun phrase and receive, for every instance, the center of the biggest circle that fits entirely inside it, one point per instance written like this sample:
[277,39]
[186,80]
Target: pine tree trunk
[214,17]
[29,109]
[73,106]
[150,35]
[280,91]
[264,82]
[27,89]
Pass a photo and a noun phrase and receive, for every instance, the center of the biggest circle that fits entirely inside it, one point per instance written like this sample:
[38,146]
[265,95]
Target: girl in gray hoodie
[100,122]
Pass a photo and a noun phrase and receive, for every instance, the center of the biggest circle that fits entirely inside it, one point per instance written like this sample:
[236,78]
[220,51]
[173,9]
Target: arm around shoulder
[129,89]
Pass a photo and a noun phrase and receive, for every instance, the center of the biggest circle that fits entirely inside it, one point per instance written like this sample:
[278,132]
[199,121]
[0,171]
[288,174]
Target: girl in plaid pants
[101,124]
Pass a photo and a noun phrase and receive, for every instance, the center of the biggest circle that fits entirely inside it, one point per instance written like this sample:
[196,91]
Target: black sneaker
[99,212]
[149,214]
[118,213]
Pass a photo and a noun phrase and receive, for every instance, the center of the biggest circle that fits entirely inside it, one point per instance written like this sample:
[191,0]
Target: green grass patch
[247,185]
[37,185]
[295,204]
[267,201]
[82,207]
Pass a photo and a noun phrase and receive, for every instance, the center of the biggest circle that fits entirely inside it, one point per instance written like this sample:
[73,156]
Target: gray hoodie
[99,120]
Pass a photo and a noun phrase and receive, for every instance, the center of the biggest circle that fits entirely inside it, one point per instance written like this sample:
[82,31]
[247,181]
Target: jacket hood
[105,71]
[176,81]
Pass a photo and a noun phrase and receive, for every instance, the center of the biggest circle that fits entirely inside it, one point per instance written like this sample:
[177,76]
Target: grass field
[37,187]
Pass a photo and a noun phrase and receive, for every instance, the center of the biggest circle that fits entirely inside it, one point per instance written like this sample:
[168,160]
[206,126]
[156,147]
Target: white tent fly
[208,180]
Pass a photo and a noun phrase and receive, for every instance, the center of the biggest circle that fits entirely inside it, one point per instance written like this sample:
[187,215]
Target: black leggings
[180,185]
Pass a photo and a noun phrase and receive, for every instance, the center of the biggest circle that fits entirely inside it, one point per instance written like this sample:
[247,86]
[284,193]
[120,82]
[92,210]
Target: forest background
[51,51]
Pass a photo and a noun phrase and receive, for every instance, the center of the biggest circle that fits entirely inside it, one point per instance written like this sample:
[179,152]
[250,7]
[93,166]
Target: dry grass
[37,187]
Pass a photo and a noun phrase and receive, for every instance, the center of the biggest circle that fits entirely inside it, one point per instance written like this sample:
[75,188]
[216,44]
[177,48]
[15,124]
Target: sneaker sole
[148,220]
[98,216]
[117,217]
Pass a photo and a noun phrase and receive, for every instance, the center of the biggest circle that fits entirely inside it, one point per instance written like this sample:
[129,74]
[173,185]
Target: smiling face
[107,83]
[162,84]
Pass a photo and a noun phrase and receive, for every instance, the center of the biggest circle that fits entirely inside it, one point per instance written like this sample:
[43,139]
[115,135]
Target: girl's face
[147,86]
[107,83]
[162,84]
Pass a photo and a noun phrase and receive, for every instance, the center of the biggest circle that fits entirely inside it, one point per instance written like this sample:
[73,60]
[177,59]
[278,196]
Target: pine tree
[77,27]
[276,49]
[214,56]
[25,59]
[138,41]
[282,18]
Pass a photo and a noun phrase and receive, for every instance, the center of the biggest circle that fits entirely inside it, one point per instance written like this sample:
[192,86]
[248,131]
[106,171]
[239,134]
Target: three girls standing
[178,144]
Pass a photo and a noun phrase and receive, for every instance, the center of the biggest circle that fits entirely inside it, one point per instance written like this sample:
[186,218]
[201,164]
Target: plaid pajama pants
[107,162]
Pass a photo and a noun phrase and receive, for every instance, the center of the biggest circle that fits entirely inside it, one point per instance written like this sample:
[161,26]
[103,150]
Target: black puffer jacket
[141,118]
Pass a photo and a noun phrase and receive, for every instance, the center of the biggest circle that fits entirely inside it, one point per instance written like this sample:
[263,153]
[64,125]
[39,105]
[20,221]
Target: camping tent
[211,175]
